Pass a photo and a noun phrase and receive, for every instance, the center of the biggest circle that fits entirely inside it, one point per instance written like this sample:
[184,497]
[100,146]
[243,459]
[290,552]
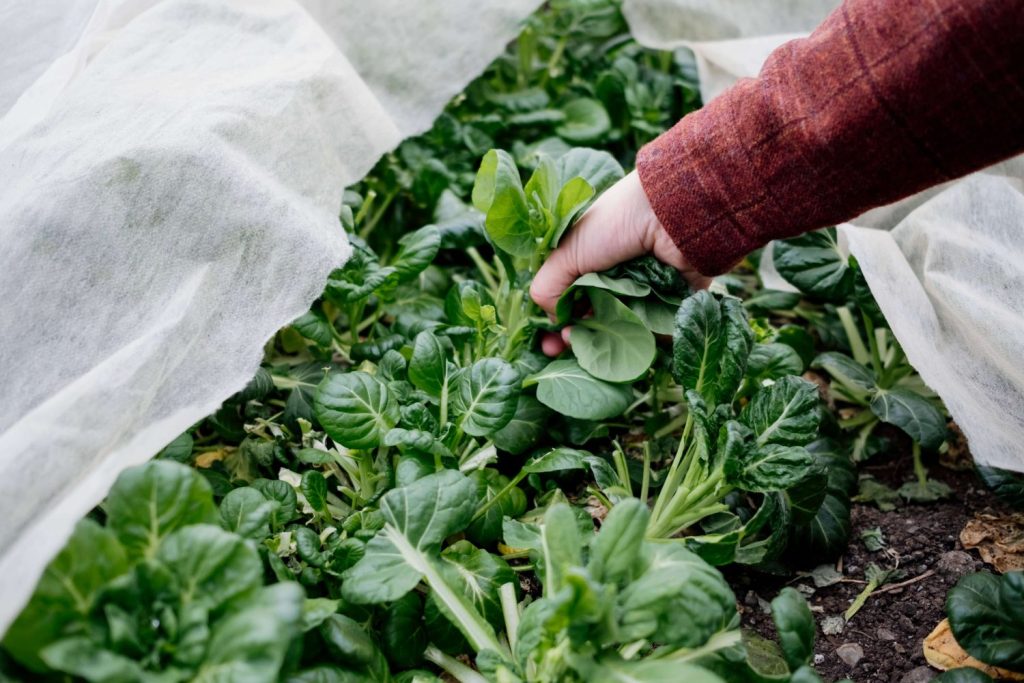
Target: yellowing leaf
[943,652]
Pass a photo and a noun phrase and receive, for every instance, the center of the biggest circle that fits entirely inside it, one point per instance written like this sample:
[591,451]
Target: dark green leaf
[813,264]
[786,412]
[355,409]
[912,413]
[795,626]
[67,591]
[486,396]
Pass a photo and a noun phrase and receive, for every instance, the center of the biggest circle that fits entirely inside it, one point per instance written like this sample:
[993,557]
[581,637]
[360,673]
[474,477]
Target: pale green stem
[456,669]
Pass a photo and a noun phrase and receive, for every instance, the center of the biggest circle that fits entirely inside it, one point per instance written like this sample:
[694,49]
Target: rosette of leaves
[405,418]
[627,592]
[871,373]
[161,592]
[612,346]
[727,455]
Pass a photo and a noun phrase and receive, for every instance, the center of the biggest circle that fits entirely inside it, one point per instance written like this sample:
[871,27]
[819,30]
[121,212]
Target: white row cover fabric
[946,265]
[171,174]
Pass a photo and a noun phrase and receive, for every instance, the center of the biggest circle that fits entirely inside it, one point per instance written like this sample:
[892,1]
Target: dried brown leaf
[998,538]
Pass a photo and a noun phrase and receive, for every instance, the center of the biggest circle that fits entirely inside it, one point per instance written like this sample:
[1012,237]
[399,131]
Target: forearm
[884,99]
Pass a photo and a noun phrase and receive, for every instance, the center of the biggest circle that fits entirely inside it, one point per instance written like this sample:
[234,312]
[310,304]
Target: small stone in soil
[921,674]
[885,634]
[954,564]
[819,659]
[832,626]
[850,653]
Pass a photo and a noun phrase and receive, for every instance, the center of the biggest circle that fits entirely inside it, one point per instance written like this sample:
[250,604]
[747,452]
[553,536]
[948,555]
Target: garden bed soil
[883,641]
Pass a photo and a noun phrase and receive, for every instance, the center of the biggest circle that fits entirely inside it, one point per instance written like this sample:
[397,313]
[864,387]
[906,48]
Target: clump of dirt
[883,641]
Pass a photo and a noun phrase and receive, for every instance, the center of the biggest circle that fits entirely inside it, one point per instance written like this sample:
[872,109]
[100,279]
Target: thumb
[559,271]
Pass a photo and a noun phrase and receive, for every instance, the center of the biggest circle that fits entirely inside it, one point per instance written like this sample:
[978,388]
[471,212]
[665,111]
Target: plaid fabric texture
[884,99]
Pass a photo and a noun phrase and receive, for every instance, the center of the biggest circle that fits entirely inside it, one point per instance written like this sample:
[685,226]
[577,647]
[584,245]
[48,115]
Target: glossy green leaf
[314,489]
[419,516]
[250,643]
[486,530]
[912,413]
[150,501]
[986,615]
[697,342]
[568,389]
[498,194]
[347,641]
[856,378]
[814,264]
[313,325]
[772,467]
[212,565]
[355,409]
[477,575]
[786,413]
[526,427]
[795,627]
[613,344]
[679,601]
[428,367]
[773,361]
[416,251]
[485,396]
[247,512]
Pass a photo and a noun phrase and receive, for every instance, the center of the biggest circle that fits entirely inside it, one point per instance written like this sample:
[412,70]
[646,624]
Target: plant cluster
[408,488]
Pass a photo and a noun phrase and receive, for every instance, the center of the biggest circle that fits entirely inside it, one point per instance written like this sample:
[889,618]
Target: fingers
[552,344]
[558,272]
[609,233]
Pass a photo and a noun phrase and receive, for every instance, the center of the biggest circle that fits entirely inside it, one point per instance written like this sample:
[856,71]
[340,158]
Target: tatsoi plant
[614,607]
[872,374]
[159,593]
[726,452]
[986,615]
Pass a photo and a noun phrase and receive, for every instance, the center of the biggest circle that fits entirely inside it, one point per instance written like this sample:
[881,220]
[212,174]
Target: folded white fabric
[171,174]
[946,265]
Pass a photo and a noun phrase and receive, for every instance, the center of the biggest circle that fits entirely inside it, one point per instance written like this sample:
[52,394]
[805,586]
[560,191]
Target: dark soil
[889,629]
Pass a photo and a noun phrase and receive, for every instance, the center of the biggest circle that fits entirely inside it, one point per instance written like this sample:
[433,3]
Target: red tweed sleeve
[884,99]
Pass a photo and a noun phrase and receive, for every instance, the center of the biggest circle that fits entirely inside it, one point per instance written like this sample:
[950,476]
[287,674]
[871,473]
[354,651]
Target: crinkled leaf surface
[355,409]
[786,412]
[486,396]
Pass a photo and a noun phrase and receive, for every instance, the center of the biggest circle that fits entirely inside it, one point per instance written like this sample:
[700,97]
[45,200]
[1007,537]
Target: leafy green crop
[407,488]
[986,614]
[159,593]
[869,370]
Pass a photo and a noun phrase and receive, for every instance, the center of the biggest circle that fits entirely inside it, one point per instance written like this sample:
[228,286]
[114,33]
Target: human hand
[619,226]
